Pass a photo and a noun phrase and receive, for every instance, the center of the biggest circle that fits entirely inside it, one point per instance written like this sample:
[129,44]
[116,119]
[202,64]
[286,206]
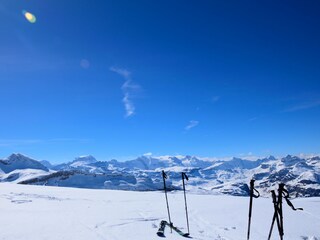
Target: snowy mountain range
[301,175]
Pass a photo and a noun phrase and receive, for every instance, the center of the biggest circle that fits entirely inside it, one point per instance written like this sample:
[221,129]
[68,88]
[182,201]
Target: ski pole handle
[164,175]
[253,192]
[184,176]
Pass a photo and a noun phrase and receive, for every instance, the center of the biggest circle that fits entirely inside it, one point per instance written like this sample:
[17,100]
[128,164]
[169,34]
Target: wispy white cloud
[249,156]
[123,72]
[308,155]
[148,154]
[303,106]
[128,104]
[129,89]
[191,124]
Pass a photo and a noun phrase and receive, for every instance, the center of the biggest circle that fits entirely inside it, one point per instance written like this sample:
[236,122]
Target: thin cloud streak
[128,104]
[303,106]
[191,124]
[128,88]
[123,72]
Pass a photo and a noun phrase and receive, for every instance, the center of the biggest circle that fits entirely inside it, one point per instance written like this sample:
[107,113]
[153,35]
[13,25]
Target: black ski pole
[184,176]
[280,192]
[283,194]
[252,195]
[275,215]
[164,176]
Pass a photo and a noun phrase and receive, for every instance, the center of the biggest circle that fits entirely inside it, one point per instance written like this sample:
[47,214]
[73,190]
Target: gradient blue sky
[117,79]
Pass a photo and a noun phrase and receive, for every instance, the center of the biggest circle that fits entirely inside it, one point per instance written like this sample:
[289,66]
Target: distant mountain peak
[86,159]
[271,158]
[290,157]
[17,157]
[290,160]
[46,163]
[20,161]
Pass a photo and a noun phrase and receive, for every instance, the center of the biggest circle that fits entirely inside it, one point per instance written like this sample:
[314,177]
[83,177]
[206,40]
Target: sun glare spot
[29,16]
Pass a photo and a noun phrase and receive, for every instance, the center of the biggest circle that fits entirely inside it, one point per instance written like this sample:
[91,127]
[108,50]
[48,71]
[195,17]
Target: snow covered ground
[57,213]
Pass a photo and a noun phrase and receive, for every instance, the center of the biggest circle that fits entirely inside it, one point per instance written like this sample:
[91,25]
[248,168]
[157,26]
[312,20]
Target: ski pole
[164,176]
[252,195]
[278,215]
[275,215]
[184,176]
[280,192]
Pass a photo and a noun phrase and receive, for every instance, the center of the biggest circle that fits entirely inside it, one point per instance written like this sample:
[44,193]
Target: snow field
[56,213]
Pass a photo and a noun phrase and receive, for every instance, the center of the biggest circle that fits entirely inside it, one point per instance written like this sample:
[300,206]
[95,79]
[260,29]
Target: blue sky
[117,79]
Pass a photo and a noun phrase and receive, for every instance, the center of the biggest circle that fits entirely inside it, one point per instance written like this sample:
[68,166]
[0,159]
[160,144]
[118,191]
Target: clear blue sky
[117,79]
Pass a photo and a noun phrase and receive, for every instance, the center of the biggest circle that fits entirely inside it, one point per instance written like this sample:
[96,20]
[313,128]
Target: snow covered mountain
[301,175]
[19,161]
[18,167]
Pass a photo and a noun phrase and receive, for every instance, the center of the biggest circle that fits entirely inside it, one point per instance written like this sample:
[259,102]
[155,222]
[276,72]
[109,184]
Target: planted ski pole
[252,195]
[164,177]
[280,192]
[185,177]
[278,215]
[275,215]
[277,204]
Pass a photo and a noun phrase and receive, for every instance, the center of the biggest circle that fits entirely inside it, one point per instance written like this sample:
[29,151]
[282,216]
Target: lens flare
[29,16]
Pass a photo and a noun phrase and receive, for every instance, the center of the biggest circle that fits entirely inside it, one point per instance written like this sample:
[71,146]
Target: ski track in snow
[53,213]
[14,197]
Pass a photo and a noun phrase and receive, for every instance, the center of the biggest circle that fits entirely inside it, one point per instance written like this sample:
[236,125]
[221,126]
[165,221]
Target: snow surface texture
[51,213]
[301,175]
